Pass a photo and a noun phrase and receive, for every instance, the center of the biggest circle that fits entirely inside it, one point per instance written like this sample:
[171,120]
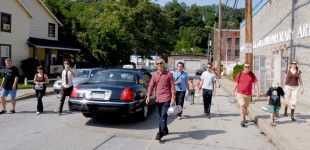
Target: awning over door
[50,44]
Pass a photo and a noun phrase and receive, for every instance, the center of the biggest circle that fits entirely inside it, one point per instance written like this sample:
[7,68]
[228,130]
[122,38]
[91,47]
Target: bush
[29,67]
[237,69]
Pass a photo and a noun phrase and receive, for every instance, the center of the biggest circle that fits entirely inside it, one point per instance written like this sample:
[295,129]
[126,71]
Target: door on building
[192,64]
[260,72]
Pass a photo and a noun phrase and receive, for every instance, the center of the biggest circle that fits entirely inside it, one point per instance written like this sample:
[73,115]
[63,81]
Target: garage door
[192,64]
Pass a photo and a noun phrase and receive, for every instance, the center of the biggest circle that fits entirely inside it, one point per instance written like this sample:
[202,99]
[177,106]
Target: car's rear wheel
[88,115]
[144,113]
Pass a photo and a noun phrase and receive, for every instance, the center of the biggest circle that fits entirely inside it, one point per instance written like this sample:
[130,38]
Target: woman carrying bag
[40,80]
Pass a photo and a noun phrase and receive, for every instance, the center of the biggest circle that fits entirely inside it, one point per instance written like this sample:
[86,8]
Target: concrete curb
[280,141]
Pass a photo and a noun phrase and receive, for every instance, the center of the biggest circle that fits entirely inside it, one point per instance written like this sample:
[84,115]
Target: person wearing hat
[274,96]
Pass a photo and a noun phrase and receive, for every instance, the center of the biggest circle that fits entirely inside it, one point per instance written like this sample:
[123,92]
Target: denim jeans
[207,100]
[39,95]
[179,97]
[162,109]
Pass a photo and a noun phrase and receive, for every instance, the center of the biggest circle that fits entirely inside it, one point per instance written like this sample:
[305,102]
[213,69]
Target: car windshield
[82,73]
[114,76]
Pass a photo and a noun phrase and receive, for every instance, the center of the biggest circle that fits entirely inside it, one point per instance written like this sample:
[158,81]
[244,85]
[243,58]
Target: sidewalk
[28,93]
[287,134]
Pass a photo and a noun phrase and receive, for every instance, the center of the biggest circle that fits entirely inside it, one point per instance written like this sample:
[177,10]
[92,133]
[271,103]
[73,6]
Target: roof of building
[51,44]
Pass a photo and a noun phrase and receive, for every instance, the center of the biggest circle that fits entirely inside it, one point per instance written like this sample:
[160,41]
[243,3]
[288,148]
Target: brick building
[230,46]
[281,32]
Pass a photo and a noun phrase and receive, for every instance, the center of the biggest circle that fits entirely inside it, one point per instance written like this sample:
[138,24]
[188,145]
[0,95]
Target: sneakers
[158,136]
[179,117]
[243,123]
[38,113]
[208,116]
[12,111]
[58,112]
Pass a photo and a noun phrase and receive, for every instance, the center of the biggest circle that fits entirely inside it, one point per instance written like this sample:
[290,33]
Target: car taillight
[74,92]
[126,95]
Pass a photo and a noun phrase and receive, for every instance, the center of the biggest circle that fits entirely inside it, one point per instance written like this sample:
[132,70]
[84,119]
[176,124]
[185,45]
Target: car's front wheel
[144,113]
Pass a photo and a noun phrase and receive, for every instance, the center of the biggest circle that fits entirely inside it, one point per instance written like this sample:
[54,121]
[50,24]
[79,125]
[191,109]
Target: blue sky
[241,3]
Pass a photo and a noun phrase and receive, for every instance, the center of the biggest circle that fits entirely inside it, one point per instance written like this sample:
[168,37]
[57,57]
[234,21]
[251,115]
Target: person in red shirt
[162,81]
[243,84]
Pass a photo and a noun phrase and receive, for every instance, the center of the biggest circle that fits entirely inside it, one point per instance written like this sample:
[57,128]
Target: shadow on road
[127,123]
[197,135]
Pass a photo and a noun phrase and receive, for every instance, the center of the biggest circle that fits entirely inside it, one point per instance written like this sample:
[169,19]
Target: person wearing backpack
[180,78]
[243,85]
[40,80]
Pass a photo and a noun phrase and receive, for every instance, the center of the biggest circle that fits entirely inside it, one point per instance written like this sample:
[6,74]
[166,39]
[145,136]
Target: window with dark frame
[228,52]
[229,41]
[237,41]
[5,52]
[237,52]
[6,22]
[51,30]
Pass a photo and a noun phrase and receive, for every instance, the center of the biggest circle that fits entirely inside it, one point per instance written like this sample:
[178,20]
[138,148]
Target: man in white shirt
[67,84]
[208,86]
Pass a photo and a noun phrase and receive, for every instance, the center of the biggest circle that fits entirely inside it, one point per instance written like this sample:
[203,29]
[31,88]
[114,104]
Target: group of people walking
[171,89]
[9,85]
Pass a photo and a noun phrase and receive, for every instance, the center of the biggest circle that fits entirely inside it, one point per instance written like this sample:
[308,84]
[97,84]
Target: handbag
[232,99]
[189,98]
[174,109]
[197,94]
[265,108]
[38,86]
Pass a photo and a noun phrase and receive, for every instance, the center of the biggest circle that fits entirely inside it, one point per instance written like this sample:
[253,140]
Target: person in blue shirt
[181,85]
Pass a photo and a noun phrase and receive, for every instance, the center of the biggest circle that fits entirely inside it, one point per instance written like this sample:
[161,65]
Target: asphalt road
[25,130]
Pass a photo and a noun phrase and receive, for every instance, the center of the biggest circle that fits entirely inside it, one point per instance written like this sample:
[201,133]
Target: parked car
[199,72]
[81,76]
[119,92]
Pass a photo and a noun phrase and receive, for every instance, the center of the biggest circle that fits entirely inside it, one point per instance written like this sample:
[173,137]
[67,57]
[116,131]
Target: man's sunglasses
[159,63]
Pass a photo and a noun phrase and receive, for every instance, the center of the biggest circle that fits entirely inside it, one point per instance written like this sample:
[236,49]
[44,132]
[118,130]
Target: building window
[229,41]
[51,30]
[237,52]
[5,52]
[228,52]
[237,41]
[6,22]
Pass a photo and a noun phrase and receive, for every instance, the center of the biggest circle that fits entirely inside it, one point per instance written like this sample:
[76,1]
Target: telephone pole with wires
[248,33]
[218,56]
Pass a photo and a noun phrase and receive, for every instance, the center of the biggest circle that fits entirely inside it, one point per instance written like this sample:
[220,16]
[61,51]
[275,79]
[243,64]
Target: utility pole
[218,56]
[248,33]
[209,51]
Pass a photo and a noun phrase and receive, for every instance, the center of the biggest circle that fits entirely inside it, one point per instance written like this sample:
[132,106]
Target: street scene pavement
[26,130]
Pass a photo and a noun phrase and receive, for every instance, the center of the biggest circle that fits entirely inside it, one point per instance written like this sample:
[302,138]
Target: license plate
[98,95]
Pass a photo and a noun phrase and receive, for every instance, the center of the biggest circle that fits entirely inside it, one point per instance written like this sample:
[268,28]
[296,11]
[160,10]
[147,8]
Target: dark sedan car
[199,72]
[115,91]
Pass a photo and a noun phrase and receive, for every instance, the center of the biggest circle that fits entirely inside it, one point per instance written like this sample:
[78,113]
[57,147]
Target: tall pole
[218,56]
[209,47]
[248,33]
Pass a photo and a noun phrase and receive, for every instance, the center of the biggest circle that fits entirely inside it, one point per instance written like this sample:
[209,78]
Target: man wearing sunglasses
[208,86]
[162,81]
[243,84]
